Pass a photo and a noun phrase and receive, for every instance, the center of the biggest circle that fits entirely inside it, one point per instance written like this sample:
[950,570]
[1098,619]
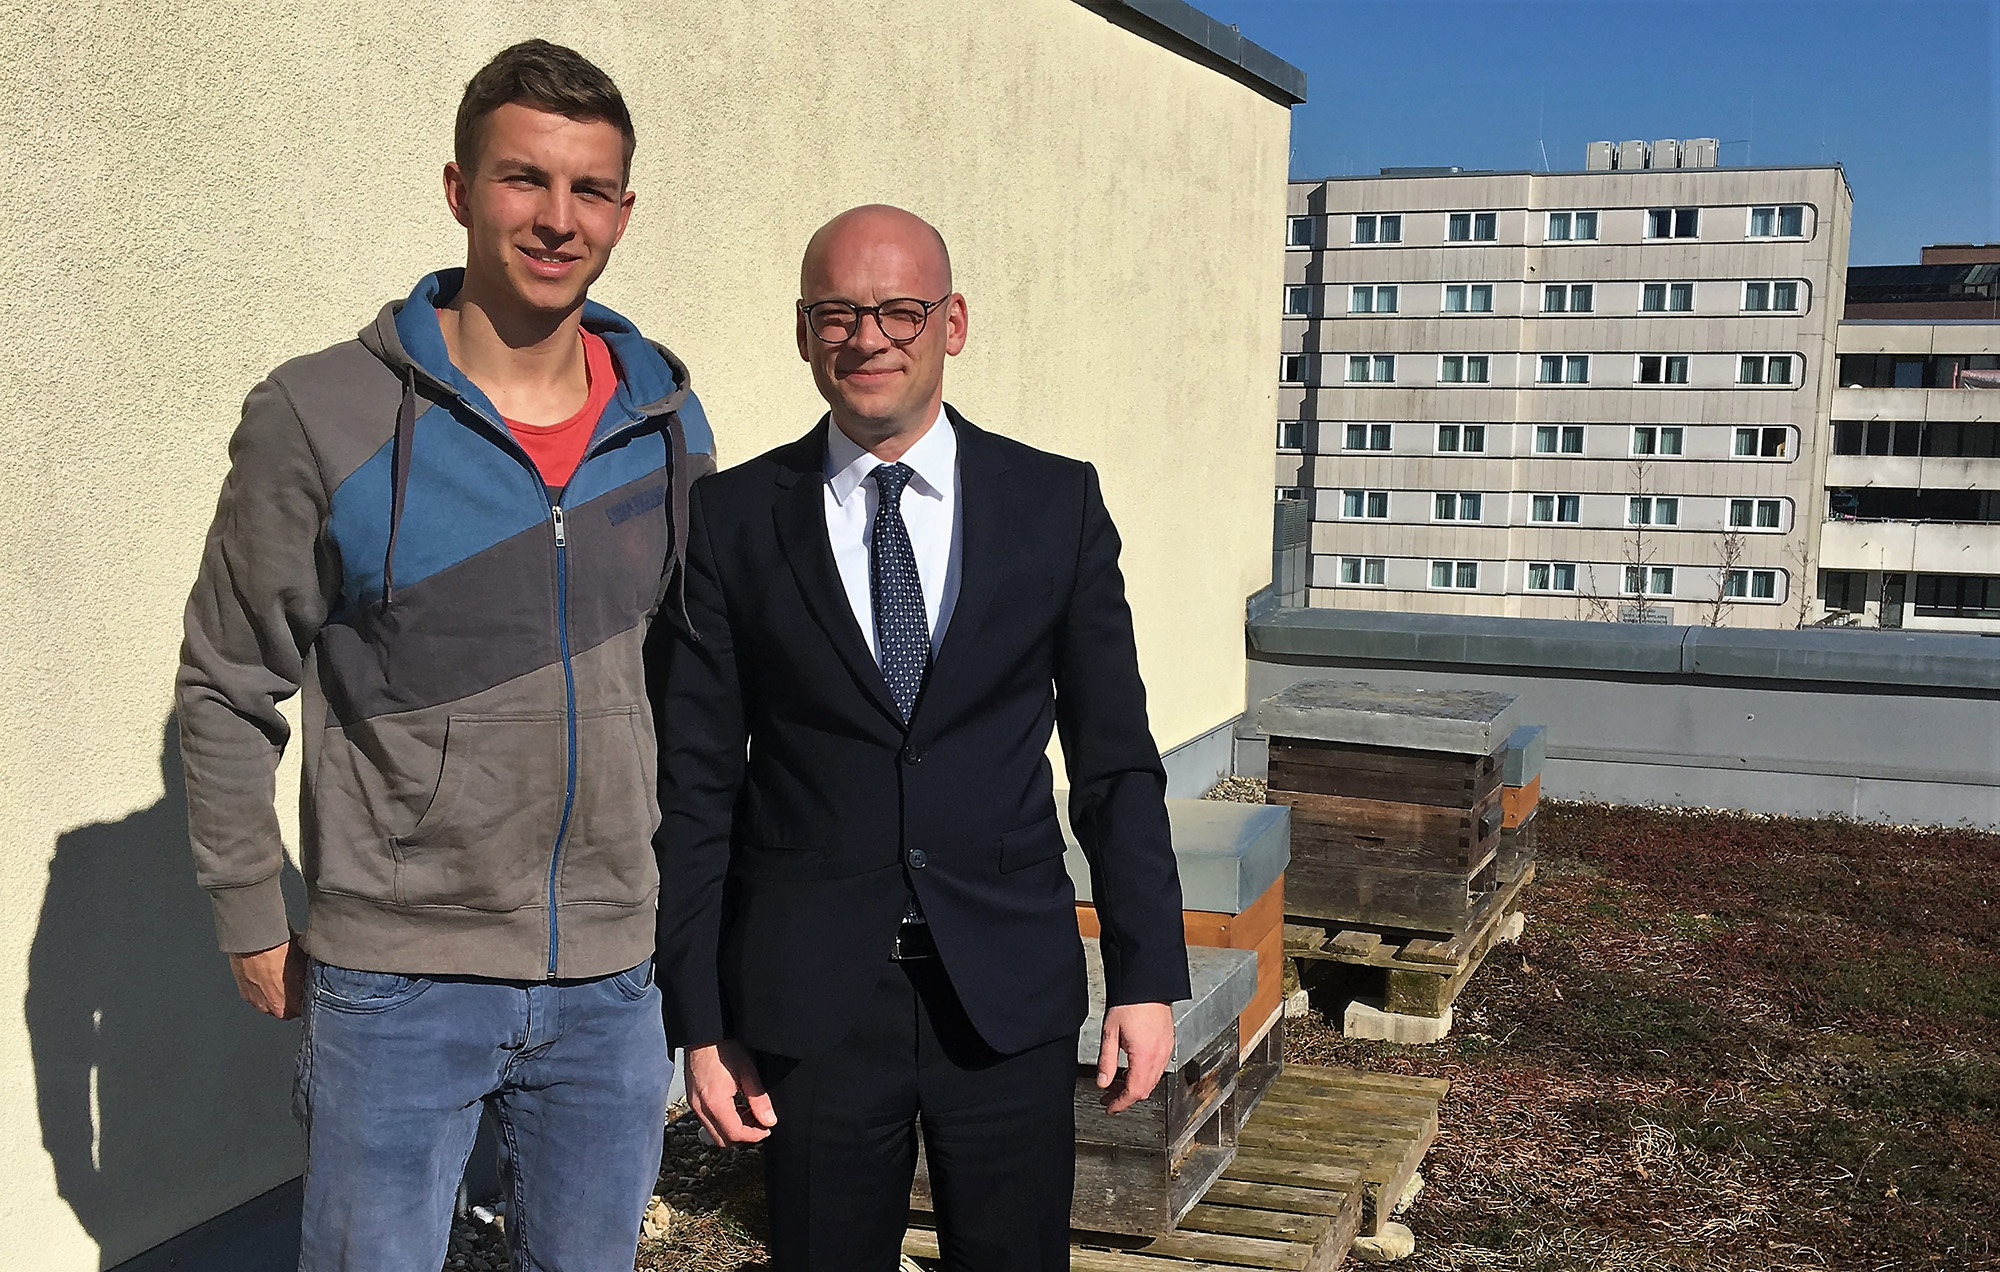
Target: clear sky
[1902,93]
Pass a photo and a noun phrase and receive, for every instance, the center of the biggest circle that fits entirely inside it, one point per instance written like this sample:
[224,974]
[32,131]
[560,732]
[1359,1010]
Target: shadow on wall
[164,1099]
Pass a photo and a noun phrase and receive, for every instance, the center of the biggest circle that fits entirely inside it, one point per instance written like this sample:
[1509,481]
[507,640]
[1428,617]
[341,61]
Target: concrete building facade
[1564,395]
[1912,534]
[240,184]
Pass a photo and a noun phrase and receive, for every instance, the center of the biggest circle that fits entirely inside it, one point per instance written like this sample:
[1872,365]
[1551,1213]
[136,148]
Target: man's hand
[273,981]
[1145,1033]
[723,1085]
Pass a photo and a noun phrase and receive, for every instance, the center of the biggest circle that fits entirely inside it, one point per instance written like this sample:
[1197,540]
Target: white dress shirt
[930,513]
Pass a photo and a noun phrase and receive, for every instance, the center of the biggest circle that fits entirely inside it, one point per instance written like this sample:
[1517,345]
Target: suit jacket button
[913,755]
[917,859]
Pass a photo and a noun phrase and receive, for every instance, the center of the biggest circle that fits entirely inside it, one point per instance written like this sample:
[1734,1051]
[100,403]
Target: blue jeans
[393,1073]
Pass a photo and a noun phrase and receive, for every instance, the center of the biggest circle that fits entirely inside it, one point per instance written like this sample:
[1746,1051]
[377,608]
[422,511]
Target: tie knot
[890,480]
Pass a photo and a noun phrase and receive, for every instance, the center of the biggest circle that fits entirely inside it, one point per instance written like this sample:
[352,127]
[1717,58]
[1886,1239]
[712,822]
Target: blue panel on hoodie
[465,494]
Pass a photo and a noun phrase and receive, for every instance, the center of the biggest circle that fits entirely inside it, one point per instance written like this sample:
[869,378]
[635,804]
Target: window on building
[1567,298]
[1758,514]
[1461,575]
[1657,580]
[1657,439]
[1775,296]
[1447,506]
[1552,576]
[1376,299]
[1363,571]
[1958,596]
[1666,298]
[1372,505]
[1468,298]
[1299,231]
[1653,510]
[1680,223]
[1472,227]
[1294,368]
[1463,368]
[1378,228]
[1298,301]
[1783,220]
[1375,437]
[1972,440]
[1663,368]
[1762,443]
[1468,438]
[1844,590]
[1565,226]
[1557,368]
[1551,439]
[1291,492]
[1759,368]
[1379,368]
[1291,434]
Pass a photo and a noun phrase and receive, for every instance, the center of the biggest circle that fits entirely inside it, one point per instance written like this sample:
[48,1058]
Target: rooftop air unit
[1701,152]
[1666,154]
[1631,154]
[1597,156]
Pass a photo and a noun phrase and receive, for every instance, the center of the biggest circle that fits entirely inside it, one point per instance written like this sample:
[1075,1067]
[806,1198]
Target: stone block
[1365,1020]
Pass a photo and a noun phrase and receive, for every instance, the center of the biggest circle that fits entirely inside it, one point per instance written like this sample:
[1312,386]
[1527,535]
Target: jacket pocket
[1030,845]
[608,852]
[485,840]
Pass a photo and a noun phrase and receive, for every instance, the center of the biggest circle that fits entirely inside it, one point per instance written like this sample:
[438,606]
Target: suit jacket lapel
[982,547]
[801,524]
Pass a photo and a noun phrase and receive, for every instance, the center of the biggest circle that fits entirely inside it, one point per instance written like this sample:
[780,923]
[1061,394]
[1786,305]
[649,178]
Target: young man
[866,924]
[453,532]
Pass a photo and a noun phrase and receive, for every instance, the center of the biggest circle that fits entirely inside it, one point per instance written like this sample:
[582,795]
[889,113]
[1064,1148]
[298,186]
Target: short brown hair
[548,77]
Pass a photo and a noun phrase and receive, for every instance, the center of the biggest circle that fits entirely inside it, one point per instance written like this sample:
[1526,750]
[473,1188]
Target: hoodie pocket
[608,853]
[484,842]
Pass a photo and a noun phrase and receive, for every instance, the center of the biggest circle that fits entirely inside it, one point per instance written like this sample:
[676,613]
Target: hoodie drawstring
[399,480]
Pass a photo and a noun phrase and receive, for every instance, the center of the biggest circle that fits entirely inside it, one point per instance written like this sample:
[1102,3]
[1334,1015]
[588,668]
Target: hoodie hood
[651,380]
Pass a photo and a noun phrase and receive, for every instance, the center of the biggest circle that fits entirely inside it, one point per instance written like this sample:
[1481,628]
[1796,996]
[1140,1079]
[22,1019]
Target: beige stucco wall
[199,191]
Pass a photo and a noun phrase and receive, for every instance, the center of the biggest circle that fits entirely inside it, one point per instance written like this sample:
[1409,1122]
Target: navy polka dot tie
[902,629]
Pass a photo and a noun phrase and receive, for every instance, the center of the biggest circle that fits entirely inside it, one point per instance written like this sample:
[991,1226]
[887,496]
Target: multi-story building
[1912,537]
[1575,394]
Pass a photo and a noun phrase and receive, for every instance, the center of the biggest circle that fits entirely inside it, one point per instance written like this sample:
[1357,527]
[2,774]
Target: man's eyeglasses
[902,320]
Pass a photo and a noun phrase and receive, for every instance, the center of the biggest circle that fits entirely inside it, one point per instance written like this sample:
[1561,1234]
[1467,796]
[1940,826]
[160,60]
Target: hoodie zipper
[569,713]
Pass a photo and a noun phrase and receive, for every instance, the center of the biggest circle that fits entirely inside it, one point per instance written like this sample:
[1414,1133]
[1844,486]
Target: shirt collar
[933,459]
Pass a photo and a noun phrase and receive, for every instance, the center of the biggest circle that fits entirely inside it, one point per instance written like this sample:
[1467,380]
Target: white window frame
[1570,225]
[1294,240]
[1465,365]
[1375,293]
[1376,364]
[1285,372]
[1457,571]
[1777,211]
[1649,580]
[1368,500]
[1286,425]
[1378,224]
[1474,222]
[1363,567]
[1566,296]
[1771,286]
[1667,361]
[1666,290]
[1461,439]
[1450,505]
[1473,292]
[1656,440]
[1371,433]
[1551,585]
[1755,432]
[1567,365]
[1645,510]
[1298,300]
[1675,216]
[1557,505]
[1764,362]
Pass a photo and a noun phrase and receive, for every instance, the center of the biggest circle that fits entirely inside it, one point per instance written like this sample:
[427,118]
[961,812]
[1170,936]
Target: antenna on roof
[1541,117]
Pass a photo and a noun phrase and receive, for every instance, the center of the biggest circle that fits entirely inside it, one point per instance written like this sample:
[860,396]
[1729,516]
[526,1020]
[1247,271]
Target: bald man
[866,928]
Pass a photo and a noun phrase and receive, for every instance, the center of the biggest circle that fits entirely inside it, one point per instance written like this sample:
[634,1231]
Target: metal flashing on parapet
[1188,31]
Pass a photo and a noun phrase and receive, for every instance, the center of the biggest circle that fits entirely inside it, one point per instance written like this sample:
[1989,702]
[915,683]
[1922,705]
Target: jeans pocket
[346,989]
[633,983]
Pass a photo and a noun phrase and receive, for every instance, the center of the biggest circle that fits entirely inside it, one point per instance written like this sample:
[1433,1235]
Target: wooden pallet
[1422,975]
[1323,1147]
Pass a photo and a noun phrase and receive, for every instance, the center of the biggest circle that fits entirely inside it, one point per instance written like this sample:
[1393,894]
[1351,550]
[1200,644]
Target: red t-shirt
[558,448]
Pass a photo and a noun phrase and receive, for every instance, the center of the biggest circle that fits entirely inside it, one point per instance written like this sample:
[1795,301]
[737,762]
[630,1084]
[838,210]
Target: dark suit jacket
[795,803]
